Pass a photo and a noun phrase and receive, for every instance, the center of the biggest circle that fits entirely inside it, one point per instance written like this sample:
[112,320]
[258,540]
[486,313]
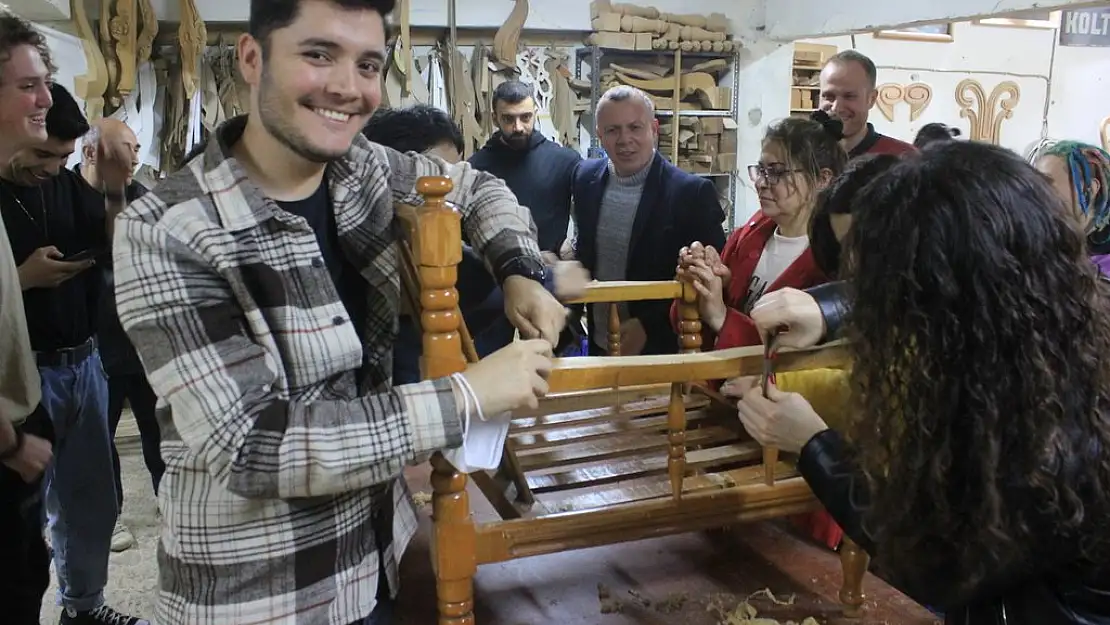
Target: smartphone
[80,256]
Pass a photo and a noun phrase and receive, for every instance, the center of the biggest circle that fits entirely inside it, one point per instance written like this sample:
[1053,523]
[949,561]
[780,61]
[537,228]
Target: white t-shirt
[779,253]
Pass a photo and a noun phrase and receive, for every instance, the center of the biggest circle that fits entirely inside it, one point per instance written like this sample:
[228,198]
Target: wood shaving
[642,600]
[729,612]
[672,603]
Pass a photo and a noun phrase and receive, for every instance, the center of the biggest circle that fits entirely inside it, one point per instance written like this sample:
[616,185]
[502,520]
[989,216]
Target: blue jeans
[79,487]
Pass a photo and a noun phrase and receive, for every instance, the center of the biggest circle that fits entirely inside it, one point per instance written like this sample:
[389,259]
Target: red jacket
[741,255]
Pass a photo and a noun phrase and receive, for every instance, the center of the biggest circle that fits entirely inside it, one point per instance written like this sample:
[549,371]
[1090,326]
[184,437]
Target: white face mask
[483,444]
[484,435]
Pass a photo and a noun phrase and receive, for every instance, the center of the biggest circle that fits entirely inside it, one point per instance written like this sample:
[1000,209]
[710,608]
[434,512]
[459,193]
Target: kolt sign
[1085,27]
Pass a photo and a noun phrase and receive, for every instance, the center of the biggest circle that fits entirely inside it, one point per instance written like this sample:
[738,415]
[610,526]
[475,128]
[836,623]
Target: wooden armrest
[628,291]
[596,372]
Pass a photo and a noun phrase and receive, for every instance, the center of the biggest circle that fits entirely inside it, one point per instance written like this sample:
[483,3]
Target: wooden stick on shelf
[676,106]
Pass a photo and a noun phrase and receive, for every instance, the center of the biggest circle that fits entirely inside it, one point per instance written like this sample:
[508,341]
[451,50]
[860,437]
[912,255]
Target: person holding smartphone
[53,218]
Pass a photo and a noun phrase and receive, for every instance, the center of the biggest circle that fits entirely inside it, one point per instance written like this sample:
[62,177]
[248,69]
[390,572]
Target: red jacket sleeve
[738,329]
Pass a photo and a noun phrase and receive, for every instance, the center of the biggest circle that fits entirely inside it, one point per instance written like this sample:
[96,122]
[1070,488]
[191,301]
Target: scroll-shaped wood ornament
[507,40]
[91,85]
[986,113]
[193,37]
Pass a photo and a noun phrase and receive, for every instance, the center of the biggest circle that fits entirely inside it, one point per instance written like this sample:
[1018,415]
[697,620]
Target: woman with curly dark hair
[976,469]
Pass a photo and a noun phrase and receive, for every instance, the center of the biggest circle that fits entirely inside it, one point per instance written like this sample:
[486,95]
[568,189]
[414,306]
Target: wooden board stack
[632,27]
[706,145]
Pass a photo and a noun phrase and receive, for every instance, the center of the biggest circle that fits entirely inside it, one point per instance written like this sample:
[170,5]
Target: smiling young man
[848,91]
[52,215]
[25,449]
[259,284]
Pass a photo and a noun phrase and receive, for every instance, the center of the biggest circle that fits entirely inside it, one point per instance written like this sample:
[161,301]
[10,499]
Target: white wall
[789,20]
[1072,106]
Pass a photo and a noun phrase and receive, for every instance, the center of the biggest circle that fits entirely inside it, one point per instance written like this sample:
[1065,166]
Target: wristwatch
[525,266]
[8,454]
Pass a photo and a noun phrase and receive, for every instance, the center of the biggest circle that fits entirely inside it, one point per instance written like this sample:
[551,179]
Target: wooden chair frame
[459,544]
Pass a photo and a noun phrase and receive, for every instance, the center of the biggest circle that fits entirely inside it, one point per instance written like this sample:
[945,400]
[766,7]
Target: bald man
[122,134]
[126,381]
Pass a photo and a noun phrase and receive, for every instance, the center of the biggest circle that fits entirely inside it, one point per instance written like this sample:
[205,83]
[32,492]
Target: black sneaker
[104,615]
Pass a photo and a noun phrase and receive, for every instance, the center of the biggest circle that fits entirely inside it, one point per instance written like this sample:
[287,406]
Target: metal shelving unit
[593,56]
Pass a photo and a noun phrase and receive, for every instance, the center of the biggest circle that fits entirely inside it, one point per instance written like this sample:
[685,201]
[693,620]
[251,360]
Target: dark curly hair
[810,145]
[836,199]
[934,132]
[980,336]
[16,31]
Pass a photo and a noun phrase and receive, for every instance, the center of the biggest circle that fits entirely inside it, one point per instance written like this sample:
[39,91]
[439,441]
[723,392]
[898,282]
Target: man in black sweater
[126,381]
[539,171]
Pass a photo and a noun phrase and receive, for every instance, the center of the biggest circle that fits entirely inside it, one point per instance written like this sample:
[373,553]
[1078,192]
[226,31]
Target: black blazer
[676,209]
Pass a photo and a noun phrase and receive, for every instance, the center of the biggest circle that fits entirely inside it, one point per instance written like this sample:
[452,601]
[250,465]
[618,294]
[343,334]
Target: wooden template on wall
[1028,19]
[927,32]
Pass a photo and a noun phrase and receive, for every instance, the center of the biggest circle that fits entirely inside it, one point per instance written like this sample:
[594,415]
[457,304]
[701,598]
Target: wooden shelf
[808,57]
[695,113]
[586,51]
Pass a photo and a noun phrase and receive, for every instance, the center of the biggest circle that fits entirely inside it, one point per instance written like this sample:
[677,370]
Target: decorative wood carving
[147,32]
[193,37]
[109,51]
[507,39]
[986,113]
[91,85]
[123,27]
[917,95]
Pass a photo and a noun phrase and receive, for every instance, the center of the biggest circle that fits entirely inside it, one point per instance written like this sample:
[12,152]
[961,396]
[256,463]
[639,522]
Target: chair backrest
[407,216]
[435,243]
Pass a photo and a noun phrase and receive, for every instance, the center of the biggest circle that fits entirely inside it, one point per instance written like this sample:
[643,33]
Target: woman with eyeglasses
[800,158]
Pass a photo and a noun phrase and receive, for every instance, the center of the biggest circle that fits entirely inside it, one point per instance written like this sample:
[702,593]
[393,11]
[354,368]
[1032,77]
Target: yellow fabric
[826,390]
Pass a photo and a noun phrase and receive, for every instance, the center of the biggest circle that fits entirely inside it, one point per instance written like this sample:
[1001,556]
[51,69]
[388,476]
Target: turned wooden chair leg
[454,544]
[853,562]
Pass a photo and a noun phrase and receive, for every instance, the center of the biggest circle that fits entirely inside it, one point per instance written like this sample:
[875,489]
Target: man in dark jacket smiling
[634,212]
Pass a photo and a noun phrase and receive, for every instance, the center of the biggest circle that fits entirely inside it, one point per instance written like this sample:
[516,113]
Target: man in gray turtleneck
[635,211]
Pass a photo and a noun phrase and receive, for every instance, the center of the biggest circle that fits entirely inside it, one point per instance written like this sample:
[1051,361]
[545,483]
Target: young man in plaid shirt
[259,284]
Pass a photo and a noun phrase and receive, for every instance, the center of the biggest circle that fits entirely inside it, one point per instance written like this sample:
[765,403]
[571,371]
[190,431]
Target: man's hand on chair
[571,279]
[511,378]
[532,310]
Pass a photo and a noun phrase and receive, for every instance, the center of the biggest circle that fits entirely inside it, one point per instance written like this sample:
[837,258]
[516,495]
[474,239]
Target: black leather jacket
[1032,596]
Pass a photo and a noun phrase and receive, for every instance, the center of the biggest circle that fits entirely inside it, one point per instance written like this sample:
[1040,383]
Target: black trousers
[24,559]
[135,389]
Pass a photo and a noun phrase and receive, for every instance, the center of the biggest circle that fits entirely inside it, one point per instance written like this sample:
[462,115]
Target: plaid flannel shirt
[283,437]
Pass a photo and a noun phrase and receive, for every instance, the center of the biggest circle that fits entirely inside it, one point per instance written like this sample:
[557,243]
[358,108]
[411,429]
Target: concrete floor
[686,574]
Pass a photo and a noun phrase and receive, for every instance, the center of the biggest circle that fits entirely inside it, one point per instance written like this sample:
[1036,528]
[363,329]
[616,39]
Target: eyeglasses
[771,174]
